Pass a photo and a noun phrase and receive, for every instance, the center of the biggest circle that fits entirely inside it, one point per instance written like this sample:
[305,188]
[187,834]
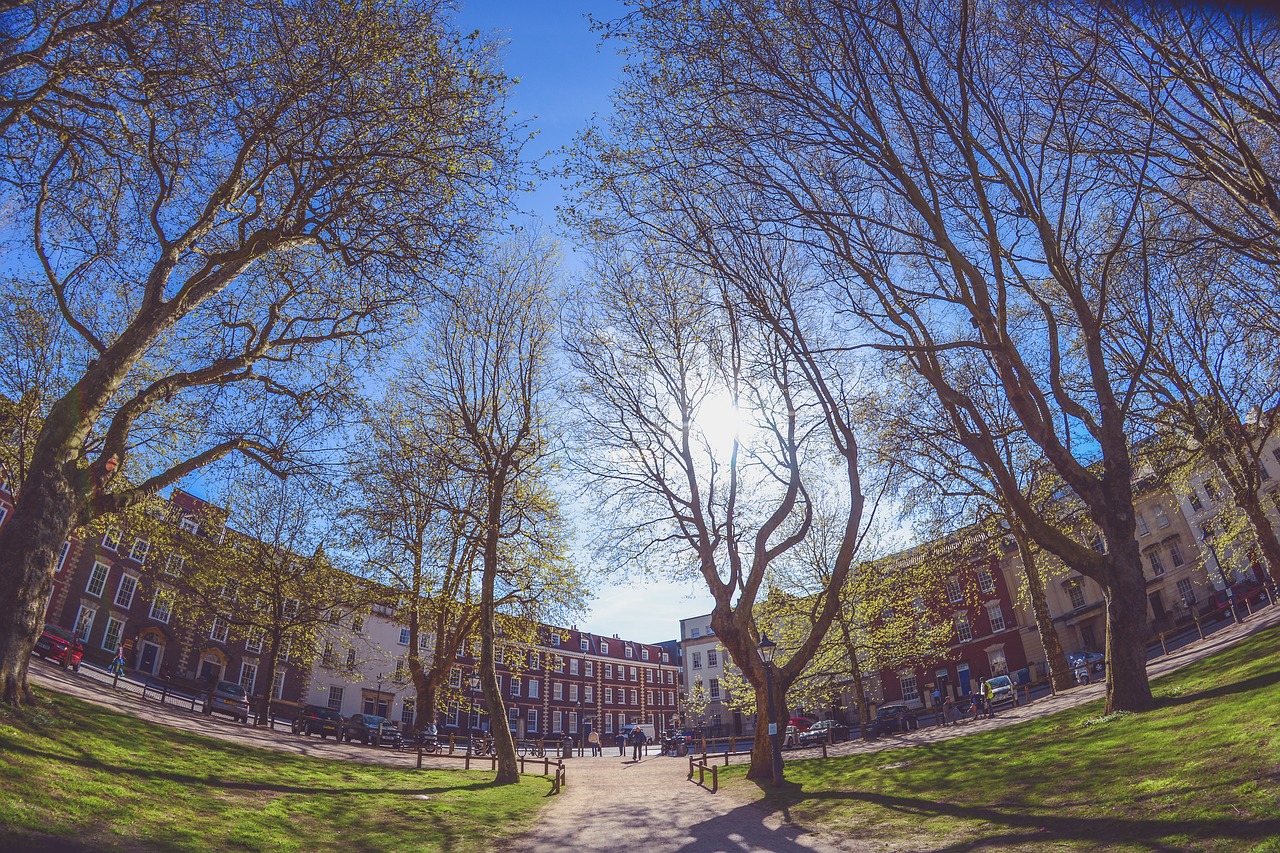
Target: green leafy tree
[231,208]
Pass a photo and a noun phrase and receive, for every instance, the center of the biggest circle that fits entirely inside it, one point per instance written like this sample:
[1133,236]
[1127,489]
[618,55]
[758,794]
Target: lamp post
[1206,536]
[473,682]
[581,728]
[767,649]
[377,701]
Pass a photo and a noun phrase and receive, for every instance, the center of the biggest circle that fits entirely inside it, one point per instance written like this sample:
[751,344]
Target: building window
[604,647]
[996,615]
[1075,592]
[498,655]
[964,631]
[62,556]
[162,606]
[608,696]
[1143,529]
[84,622]
[291,606]
[632,673]
[335,699]
[1162,519]
[515,686]
[589,693]
[1194,500]
[608,670]
[573,666]
[573,693]
[635,697]
[455,678]
[97,580]
[608,723]
[173,565]
[399,675]
[253,642]
[590,668]
[714,690]
[404,636]
[189,524]
[124,592]
[986,582]
[532,720]
[955,594]
[694,633]
[111,539]
[909,689]
[1187,592]
[1157,567]
[713,659]
[218,630]
[629,652]
[326,657]
[697,660]
[644,654]
[277,684]
[533,688]
[140,549]
[357,624]
[533,660]
[573,722]
[1175,554]
[248,676]
[583,645]
[406,713]
[557,690]
[351,658]
[555,640]
[669,674]
[513,718]
[1211,490]
[111,636]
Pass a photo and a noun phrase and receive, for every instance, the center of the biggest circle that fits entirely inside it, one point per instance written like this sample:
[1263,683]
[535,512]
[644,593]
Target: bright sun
[718,420]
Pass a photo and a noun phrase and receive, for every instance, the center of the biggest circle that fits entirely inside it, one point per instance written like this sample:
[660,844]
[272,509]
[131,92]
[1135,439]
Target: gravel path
[613,804]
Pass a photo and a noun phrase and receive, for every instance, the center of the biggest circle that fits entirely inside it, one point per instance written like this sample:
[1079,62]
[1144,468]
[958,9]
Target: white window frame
[986,581]
[955,592]
[84,622]
[713,659]
[644,654]
[62,556]
[132,583]
[964,630]
[996,616]
[583,645]
[334,702]
[910,687]
[1143,528]
[713,689]
[189,525]
[97,579]
[162,606]
[139,545]
[531,723]
[218,630]
[557,691]
[252,670]
[254,639]
[111,636]
[111,539]
[404,636]
[534,688]
[604,647]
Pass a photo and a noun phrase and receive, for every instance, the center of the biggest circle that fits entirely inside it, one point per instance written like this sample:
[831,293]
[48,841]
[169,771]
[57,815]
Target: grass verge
[76,777]
[1199,771]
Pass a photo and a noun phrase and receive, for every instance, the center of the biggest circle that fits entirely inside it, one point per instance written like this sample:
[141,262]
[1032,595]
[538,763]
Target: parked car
[318,720]
[229,698]
[801,723]
[1252,592]
[370,729]
[1096,663]
[891,719]
[1002,691]
[820,731]
[60,645]
[427,736]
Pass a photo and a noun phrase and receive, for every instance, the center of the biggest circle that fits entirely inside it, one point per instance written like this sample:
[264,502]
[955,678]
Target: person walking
[637,743]
[621,740]
[988,693]
[594,740]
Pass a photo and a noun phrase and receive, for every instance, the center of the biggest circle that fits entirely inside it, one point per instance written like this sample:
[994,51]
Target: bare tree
[939,164]
[226,225]
[486,381]
[660,351]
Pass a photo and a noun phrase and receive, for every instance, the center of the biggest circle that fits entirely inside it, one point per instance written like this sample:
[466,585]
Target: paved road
[614,804]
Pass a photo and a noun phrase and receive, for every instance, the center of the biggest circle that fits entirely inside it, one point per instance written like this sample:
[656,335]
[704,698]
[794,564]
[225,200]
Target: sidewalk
[613,805]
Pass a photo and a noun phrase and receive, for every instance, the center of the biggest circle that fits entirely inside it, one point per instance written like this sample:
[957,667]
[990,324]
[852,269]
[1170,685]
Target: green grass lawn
[1200,771]
[75,777]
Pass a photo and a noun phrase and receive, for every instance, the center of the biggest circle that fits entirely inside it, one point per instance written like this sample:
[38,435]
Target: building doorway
[149,658]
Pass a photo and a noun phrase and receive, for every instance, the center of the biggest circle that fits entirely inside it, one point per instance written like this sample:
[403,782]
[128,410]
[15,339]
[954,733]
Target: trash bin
[566,748]
[682,748]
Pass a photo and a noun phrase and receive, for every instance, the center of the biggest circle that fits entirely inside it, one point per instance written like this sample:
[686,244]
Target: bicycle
[532,748]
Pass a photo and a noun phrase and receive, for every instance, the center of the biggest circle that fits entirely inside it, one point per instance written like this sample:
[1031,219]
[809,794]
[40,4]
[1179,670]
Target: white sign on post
[773,729]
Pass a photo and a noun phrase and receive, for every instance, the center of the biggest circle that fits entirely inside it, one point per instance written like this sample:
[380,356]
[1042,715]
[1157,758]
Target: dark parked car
[818,733]
[60,645]
[372,729]
[228,698]
[318,720]
[891,719]
[1096,663]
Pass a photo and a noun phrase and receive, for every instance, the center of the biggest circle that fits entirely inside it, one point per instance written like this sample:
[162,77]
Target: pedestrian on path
[637,743]
[594,740]
[621,740]
[117,663]
[988,693]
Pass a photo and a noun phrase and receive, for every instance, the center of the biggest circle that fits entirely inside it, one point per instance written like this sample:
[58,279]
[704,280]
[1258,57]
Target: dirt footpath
[613,804]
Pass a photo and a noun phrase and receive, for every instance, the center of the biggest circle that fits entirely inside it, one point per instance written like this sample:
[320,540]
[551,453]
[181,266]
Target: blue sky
[566,76]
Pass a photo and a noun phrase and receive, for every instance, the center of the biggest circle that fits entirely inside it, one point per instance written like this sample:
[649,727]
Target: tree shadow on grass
[153,773]
[1246,685]
[1025,827]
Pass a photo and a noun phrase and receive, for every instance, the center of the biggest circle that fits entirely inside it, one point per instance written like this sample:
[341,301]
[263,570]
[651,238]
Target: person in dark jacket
[621,740]
[638,742]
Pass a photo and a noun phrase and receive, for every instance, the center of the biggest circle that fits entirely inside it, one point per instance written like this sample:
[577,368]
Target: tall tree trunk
[43,517]
[1265,535]
[504,744]
[1128,688]
[1059,670]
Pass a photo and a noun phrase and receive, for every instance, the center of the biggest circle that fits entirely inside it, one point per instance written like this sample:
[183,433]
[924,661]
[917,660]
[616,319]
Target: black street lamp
[581,728]
[473,684]
[767,649]
[377,700]
[1206,536]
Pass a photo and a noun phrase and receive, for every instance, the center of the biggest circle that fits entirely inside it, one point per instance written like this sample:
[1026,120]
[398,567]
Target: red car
[801,723]
[61,646]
